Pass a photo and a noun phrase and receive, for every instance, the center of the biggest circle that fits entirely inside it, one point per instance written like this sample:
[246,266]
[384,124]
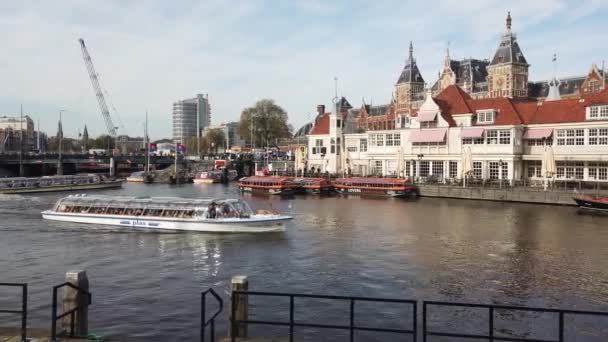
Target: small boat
[273,185]
[392,187]
[140,177]
[19,185]
[317,186]
[592,203]
[215,176]
[166,213]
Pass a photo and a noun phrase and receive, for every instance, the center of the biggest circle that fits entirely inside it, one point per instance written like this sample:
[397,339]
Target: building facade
[190,117]
[15,128]
[486,108]
[505,75]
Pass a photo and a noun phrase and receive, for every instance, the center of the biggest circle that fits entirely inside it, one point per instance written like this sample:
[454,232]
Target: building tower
[190,117]
[85,139]
[409,84]
[508,71]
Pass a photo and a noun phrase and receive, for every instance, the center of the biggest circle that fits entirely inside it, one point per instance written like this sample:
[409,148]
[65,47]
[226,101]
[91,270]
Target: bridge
[41,164]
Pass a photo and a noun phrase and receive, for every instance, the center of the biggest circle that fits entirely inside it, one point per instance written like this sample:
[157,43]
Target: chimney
[320,110]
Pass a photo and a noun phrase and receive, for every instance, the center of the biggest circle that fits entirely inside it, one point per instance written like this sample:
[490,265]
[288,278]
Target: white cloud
[152,53]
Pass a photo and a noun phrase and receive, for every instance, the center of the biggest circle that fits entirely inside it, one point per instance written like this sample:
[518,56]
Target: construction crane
[97,88]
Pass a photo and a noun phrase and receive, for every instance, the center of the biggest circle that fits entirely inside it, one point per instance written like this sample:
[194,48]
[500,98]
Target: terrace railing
[22,311]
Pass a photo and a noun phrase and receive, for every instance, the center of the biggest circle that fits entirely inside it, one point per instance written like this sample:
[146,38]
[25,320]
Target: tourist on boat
[211,212]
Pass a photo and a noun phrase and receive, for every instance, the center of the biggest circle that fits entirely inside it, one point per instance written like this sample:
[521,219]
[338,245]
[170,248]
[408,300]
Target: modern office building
[190,117]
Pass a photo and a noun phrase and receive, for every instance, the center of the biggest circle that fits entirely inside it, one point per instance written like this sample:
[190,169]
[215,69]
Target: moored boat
[392,187]
[215,176]
[318,186]
[166,213]
[592,203]
[273,185]
[18,185]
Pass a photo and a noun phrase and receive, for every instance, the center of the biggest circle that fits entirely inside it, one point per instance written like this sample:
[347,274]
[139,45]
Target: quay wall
[521,195]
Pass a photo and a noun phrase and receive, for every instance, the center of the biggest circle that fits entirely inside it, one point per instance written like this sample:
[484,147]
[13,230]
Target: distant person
[212,211]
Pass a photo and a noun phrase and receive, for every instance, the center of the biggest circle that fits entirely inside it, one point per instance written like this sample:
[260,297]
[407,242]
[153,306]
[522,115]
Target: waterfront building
[128,144]
[12,129]
[231,134]
[485,106]
[505,75]
[190,117]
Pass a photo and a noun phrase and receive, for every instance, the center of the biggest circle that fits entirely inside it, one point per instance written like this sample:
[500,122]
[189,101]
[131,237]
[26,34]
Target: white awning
[428,135]
[472,133]
[426,116]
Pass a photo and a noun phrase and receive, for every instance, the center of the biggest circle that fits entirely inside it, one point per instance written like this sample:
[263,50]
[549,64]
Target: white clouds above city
[151,53]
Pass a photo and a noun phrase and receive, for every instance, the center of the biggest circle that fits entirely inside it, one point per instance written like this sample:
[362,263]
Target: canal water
[147,284]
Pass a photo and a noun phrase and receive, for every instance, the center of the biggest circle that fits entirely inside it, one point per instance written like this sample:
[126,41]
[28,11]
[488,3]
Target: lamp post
[500,163]
[412,170]
[420,156]
[116,139]
[60,156]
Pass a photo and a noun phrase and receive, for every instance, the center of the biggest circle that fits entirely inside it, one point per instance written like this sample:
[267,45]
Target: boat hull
[376,192]
[71,187]
[205,181]
[267,190]
[257,224]
[589,204]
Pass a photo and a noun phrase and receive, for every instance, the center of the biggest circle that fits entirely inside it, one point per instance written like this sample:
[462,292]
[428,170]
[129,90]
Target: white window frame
[486,117]
[363,145]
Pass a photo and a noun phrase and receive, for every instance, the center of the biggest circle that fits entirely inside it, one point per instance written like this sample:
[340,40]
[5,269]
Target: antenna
[554,64]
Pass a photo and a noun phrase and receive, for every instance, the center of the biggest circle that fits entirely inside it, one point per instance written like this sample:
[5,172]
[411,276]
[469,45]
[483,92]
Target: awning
[472,133]
[538,133]
[427,135]
[426,116]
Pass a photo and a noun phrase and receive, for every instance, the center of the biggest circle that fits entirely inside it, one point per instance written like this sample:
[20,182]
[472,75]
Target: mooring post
[240,307]
[73,298]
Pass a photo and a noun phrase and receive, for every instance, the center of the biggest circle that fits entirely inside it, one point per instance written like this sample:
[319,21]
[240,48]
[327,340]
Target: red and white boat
[272,185]
[592,203]
[391,187]
[214,176]
[318,186]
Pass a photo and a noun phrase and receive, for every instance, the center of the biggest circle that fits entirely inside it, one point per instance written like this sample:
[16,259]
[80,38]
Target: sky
[149,54]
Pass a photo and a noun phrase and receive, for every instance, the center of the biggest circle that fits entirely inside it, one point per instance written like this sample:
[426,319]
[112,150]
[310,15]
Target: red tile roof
[453,100]
[506,112]
[547,112]
[321,125]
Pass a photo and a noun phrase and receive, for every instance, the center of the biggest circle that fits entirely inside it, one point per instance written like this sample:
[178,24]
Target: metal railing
[211,321]
[23,311]
[72,312]
[490,336]
[351,327]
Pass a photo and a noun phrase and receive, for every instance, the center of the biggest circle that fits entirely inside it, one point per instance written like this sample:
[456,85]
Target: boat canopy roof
[48,178]
[266,179]
[365,180]
[141,202]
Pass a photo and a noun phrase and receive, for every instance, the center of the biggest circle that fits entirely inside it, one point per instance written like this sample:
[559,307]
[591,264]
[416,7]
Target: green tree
[269,123]
[215,139]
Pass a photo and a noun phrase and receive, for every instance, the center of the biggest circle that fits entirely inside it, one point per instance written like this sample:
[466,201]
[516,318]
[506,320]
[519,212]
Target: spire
[411,55]
[447,56]
[509,21]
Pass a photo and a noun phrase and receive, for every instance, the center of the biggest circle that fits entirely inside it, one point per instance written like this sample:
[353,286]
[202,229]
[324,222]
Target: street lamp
[500,164]
[420,156]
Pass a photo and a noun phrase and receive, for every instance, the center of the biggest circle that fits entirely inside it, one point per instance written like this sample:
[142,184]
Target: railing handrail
[305,295]
[492,308]
[55,317]
[23,311]
[210,321]
[292,323]
[516,308]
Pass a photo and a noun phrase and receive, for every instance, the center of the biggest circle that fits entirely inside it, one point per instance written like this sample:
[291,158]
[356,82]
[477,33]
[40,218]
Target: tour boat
[166,213]
[319,186]
[592,203]
[18,185]
[392,187]
[214,176]
[273,185]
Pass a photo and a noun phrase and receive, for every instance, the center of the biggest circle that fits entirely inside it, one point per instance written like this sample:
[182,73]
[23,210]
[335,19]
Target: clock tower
[409,84]
[508,70]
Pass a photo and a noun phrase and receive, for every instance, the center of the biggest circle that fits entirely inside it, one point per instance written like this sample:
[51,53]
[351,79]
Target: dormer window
[597,112]
[486,117]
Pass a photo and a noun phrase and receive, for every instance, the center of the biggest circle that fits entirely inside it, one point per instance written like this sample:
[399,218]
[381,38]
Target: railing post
[415,318]
[491,325]
[423,321]
[54,316]
[352,320]
[240,307]
[72,298]
[24,314]
[561,326]
[291,317]
[203,317]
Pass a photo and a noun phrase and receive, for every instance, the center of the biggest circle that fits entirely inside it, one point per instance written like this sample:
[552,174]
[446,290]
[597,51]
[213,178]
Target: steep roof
[321,125]
[410,72]
[453,100]
[508,50]
[562,111]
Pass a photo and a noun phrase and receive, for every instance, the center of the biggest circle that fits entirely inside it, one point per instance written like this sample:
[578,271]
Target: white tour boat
[166,213]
